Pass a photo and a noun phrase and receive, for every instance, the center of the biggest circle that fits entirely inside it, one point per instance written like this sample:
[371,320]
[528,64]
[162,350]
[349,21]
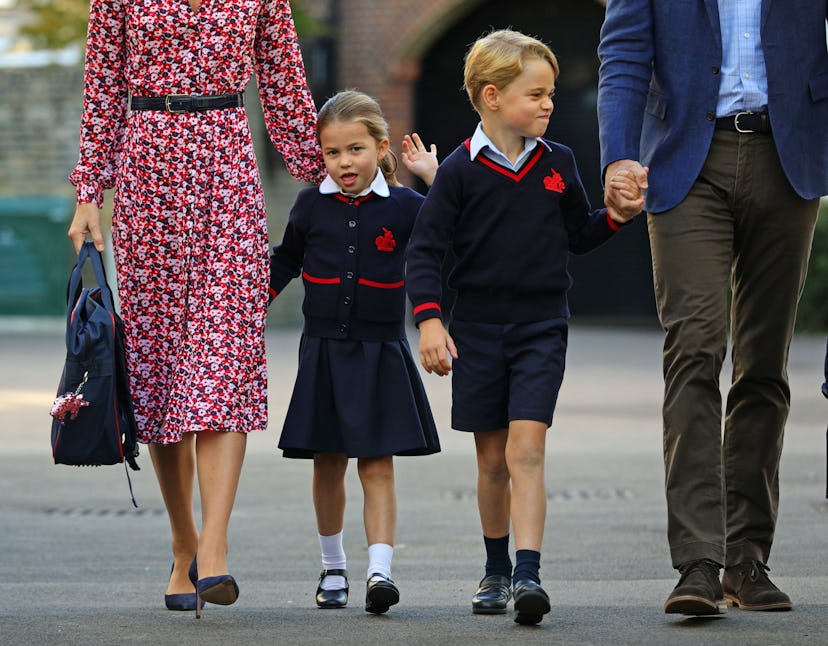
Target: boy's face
[525,105]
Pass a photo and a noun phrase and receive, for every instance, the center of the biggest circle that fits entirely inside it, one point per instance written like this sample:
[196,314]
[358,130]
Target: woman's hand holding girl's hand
[418,160]
[87,220]
[435,347]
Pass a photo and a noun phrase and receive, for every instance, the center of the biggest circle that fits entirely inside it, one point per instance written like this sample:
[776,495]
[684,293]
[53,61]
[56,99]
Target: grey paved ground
[79,566]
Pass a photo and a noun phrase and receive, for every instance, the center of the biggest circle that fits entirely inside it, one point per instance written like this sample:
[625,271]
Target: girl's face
[351,154]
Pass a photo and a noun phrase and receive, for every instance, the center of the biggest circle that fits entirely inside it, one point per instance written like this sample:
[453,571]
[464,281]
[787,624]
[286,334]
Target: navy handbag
[94,422]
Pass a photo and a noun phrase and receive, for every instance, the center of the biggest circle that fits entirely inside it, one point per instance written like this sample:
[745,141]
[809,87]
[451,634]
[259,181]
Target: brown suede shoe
[748,587]
[698,591]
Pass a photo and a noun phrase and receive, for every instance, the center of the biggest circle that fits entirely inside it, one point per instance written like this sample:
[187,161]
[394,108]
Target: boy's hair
[498,58]
[351,105]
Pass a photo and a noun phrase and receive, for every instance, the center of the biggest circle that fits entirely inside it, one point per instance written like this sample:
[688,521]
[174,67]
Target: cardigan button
[349,275]
[351,248]
[347,300]
[343,327]
[352,223]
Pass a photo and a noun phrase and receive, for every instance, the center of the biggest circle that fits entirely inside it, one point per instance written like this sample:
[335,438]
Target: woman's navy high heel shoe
[221,590]
[182,601]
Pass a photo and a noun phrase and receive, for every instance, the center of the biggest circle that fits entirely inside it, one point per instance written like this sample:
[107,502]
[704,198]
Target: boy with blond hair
[512,207]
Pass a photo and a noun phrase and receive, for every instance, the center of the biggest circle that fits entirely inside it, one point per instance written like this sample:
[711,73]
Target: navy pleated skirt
[361,398]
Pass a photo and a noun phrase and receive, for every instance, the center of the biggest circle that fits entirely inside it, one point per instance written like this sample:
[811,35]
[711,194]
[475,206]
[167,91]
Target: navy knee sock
[527,565]
[497,556]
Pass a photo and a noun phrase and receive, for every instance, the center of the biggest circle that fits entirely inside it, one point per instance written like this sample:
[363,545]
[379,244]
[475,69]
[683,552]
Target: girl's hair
[352,105]
[498,58]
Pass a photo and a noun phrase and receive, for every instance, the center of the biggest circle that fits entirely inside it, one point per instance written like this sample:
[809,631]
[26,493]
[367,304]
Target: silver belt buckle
[736,122]
[172,97]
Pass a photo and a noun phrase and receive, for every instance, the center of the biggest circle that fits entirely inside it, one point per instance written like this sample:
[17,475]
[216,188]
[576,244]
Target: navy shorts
[506,372]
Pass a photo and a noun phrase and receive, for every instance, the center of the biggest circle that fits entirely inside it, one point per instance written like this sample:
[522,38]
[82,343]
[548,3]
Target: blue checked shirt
[744,84]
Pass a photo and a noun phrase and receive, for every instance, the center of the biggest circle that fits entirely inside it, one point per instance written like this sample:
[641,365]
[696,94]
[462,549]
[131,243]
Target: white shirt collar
[480,141]
[378,186]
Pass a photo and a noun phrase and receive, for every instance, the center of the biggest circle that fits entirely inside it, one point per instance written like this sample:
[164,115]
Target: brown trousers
[741,225]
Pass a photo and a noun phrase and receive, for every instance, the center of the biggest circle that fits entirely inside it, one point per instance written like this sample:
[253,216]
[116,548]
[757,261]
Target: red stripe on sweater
[427,306]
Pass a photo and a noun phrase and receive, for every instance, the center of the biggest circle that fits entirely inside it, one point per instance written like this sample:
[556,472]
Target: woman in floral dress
[189,236]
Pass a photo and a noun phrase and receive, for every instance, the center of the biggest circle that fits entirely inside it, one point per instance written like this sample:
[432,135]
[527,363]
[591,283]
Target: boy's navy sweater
[351,254]
[511,232]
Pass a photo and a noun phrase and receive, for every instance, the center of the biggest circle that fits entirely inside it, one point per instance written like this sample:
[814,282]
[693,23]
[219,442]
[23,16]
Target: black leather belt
[178,103]
[745,122]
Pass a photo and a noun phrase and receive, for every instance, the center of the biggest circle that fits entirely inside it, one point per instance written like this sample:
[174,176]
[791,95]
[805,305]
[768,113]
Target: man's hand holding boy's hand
[624,189]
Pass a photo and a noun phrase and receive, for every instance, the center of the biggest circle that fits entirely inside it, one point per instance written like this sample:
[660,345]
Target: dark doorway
[613,282]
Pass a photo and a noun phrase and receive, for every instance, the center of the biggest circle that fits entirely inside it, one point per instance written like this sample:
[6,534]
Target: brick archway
[383,50]
[381,45]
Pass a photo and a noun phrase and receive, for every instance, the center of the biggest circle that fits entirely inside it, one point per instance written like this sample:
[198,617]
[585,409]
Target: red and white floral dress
[189,225]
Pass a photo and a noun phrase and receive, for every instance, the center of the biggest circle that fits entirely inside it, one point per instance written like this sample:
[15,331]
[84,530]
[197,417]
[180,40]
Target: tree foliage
[55,24]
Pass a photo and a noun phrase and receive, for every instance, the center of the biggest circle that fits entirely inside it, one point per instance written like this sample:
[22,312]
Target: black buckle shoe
[531,602]
[380,595]
[332,598]
[698,591]
[747,586]
[493,593]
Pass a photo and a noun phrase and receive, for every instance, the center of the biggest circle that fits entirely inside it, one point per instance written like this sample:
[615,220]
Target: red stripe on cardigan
[320,281]
[372,283]
[355,200]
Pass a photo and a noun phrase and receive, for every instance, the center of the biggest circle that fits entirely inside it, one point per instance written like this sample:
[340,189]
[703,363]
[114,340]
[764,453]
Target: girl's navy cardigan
[351,255]
[512,233]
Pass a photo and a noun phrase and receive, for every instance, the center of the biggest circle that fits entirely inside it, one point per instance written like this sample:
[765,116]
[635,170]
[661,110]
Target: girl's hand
[419,161]
[435,347]
[87,220]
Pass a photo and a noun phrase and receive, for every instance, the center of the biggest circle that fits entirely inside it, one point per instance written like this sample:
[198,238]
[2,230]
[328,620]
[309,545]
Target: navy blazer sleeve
[659,83]
[626,52]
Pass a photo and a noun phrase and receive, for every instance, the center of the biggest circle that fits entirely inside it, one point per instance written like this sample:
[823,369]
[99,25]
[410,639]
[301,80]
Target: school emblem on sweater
[386,241]
[554,182]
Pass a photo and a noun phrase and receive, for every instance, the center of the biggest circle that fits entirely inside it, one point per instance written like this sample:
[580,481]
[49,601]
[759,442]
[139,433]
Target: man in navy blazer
[727,104]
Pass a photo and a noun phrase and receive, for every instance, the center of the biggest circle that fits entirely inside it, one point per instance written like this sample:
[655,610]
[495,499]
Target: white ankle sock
[333,558]
[379,559]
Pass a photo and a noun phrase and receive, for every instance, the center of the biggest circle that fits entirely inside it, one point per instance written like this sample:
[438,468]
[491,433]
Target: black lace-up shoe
[492,595]
[380,595]
[531,602]
[698,591]
[748,587]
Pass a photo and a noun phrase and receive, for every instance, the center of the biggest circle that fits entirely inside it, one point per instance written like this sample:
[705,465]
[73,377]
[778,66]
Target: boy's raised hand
[418,160]
[623,193]
[435,347]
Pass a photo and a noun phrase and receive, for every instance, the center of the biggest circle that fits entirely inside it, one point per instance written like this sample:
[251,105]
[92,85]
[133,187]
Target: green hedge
[813,307]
